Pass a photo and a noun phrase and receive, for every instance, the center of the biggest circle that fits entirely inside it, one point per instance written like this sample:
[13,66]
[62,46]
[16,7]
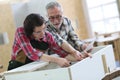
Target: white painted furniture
[113,75]
[117,78]
[93,68]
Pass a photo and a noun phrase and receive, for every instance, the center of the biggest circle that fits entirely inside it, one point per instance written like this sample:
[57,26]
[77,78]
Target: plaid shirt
[66,32]
[22,42]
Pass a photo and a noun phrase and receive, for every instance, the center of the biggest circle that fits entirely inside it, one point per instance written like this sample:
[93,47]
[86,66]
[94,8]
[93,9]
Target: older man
[57,24]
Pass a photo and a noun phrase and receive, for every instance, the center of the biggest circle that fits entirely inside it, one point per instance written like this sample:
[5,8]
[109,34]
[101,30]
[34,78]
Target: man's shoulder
[66,18]
[66,21]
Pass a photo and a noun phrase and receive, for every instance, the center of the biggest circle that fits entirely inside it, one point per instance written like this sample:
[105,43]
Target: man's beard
[57,26]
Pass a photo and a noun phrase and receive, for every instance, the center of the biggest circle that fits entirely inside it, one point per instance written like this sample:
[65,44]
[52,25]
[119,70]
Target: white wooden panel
[110,59]
[29,67]
[92,68]
[55,74]
[88,69]
[118,78]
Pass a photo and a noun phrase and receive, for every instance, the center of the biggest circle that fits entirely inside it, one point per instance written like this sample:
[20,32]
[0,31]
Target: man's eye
[58,16]
[51,17]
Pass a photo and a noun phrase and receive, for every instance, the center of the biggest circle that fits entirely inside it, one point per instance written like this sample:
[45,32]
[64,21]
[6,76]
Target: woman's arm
[60,61]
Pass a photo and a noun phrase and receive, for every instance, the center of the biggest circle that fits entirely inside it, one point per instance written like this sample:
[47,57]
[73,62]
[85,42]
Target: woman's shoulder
[20,29]
[48,33]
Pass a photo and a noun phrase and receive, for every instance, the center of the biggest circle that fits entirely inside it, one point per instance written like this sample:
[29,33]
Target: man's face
[55,16]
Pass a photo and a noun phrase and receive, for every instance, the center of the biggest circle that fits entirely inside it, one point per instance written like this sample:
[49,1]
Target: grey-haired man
[57,24]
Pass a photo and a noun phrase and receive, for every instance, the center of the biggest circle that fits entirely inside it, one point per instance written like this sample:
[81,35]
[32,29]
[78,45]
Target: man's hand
[78,56]
[84,46]
[87,52]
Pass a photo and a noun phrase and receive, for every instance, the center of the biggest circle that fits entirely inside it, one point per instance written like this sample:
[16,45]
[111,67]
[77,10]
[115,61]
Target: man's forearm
[76,54]
[67,47]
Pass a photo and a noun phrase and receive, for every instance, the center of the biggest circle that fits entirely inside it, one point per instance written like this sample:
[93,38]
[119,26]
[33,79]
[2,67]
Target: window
[103,15]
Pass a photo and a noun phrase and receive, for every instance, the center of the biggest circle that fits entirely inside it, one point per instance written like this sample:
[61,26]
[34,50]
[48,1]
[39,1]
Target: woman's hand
[60,61]
[63,62]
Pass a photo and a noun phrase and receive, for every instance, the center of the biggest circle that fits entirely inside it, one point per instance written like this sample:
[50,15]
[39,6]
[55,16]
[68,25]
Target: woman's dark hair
[32,20]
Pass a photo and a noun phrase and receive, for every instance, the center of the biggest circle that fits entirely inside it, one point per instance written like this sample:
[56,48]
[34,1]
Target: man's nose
[56,20]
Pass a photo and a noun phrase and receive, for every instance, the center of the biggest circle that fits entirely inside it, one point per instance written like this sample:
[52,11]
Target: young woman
[32,41]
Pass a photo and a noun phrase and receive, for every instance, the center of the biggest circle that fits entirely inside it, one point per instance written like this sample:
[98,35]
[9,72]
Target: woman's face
[39,32]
